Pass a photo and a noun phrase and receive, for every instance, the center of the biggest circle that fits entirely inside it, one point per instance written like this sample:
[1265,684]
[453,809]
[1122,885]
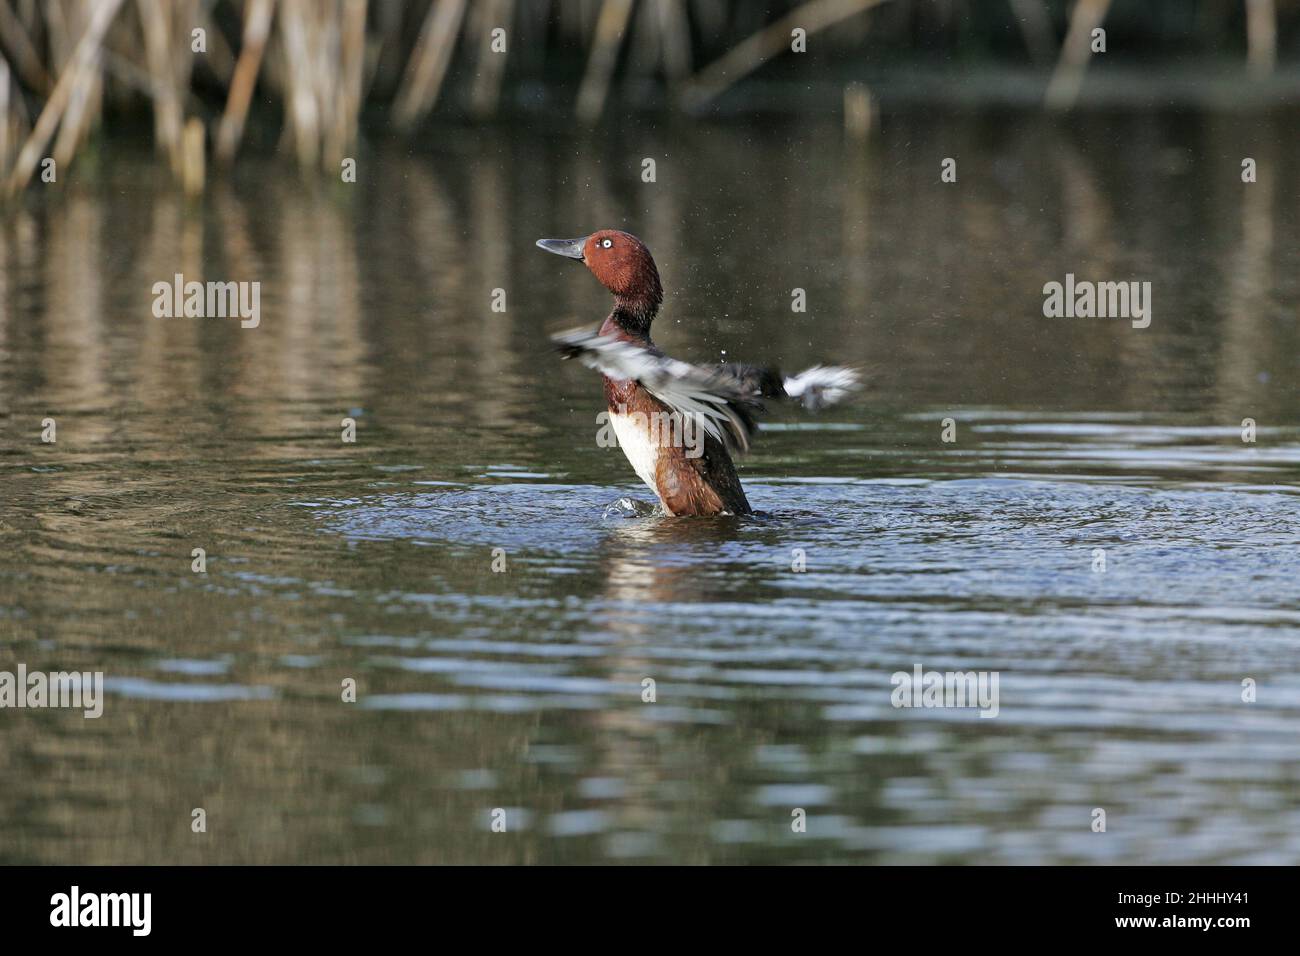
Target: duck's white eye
[606,243]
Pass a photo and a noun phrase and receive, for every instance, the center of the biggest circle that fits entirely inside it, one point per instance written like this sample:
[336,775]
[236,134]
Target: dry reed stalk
[675,39]
[156,19]
[4,114]
[327,80]
[324,51]
[352,61]
[610,28]
[748,55]
[85,52]
[77,115]
[427,67]
[18,113]
[1063,89]
[56,28]
[301,113]
[27,62]
[859,111]
[84,103]
[643,49]
[486,91]
[257,28]
[1261,36]
[335,47]
[192,158]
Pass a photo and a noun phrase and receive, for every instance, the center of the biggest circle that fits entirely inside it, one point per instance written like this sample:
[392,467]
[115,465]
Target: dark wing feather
[813,388]
[756,380]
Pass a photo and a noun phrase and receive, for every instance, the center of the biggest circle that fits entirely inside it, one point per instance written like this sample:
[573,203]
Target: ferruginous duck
[677,423]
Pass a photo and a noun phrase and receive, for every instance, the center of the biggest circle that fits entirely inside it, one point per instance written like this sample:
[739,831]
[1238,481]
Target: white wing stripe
[822,385]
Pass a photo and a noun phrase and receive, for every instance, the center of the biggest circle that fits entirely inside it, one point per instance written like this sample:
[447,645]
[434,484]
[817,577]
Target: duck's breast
[636,440]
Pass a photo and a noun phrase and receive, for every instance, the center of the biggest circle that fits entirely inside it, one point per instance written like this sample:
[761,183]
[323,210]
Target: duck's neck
[634,311]
[633,316]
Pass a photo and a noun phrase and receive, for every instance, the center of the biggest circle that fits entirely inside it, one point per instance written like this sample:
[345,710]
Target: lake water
[1077,441]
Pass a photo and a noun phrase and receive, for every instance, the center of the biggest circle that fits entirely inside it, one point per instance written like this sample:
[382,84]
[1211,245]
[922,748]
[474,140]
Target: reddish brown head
[624,266]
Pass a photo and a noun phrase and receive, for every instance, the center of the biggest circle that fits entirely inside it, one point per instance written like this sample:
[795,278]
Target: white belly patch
[634,438]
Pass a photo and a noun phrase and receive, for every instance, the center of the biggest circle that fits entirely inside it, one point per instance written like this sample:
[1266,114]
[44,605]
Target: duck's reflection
[650,744]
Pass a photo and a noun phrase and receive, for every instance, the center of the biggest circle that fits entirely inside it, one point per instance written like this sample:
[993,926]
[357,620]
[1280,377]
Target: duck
[678,423]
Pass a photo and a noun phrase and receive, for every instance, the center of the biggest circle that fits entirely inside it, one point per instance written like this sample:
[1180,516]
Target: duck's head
[622,264]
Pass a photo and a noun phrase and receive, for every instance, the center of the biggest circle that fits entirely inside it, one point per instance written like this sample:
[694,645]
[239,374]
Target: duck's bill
[570,248]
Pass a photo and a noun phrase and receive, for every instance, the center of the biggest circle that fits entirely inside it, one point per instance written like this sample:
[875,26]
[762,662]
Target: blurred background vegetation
[306,77]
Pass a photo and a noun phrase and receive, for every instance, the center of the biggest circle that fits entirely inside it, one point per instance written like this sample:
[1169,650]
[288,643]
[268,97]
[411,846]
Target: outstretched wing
[814,388]
[722,399]
[823,385]
[716,399]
